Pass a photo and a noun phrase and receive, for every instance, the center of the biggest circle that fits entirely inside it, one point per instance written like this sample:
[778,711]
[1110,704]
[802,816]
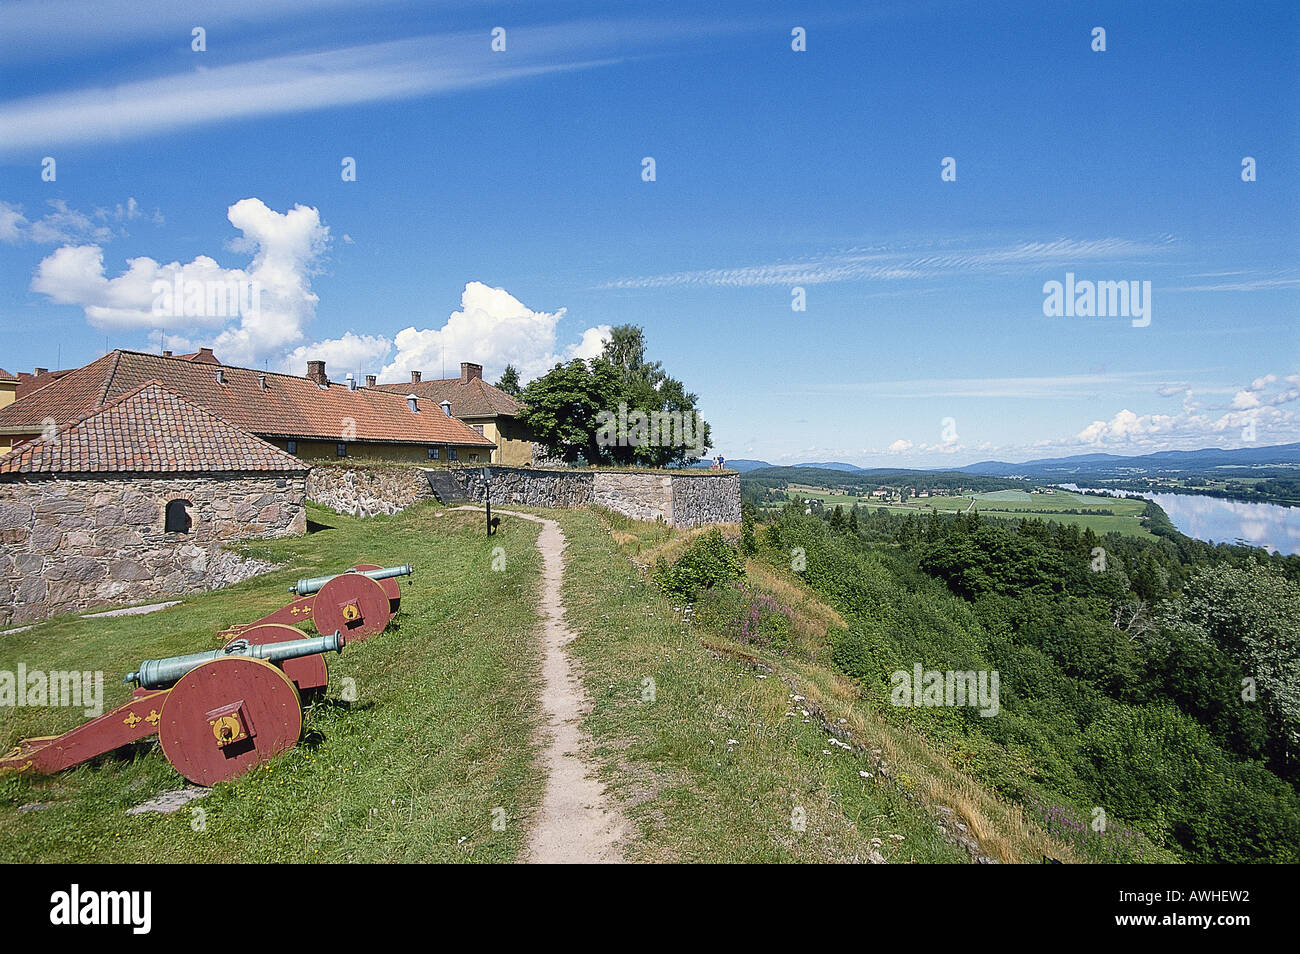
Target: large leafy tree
[561,408]
[647,389]
[1251,612]
[618,408]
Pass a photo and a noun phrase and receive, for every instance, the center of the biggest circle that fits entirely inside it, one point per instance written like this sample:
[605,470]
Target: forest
[1154,685]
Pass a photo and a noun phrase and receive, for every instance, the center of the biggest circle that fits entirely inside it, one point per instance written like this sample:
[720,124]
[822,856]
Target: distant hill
[1162,462]
[832,465]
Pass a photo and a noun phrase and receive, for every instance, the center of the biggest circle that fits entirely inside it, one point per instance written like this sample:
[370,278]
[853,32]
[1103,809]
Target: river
[1271,526]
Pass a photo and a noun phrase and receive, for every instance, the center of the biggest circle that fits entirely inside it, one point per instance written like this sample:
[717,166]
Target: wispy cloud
[885,263]
[401,69]
[1057,386]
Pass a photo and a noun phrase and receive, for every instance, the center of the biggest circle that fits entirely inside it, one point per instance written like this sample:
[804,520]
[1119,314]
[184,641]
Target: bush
[708,562]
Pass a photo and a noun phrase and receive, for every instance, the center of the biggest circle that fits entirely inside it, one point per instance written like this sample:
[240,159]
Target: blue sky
[499,211]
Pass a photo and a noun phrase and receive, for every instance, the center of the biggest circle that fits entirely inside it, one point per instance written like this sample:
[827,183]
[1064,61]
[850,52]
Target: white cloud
[359,354]
[492,328]
[899,446]
[285,249]
[884,263]
[64,224]
[377,72]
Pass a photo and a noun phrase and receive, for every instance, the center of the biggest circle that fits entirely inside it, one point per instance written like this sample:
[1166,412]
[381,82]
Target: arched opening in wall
[178,518]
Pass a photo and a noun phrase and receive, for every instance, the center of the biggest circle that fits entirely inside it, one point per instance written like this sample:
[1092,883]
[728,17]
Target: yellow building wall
[514,443]
[405,453]
[8,391]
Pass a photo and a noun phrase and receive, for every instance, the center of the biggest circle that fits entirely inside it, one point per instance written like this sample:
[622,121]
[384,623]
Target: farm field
[1015,504]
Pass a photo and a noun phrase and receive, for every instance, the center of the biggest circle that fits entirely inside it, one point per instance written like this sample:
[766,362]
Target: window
[451,454]
[177,519]
[433,453]
[291,446]
[479,428]
[341,450]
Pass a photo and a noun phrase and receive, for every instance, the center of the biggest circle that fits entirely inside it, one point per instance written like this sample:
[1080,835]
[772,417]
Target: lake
[1273,527]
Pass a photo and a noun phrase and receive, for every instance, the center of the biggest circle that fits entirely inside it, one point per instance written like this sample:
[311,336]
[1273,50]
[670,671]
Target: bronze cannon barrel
[313,585]
[159,673]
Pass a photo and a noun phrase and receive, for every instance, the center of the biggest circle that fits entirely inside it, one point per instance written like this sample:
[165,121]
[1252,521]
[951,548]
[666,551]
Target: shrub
[708,562]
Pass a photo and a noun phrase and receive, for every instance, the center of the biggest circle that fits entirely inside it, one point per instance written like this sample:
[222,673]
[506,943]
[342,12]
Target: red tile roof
[6,376]
[28,383]
[472,398]
[262,403]
[149,430]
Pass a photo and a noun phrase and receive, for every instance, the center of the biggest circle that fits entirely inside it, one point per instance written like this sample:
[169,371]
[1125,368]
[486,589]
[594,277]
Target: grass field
[440,733]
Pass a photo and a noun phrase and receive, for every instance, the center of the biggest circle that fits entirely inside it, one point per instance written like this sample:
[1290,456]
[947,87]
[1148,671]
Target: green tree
[664,426]
[509,381]
[561,408]
[1251,613]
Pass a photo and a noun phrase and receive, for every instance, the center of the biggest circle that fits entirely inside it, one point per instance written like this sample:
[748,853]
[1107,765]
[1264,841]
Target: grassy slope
[440,733]
[693,796]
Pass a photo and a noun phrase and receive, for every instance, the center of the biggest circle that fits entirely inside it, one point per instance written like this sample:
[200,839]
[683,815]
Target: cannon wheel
[265,700]
[355,605]
[307,672]
[390,587]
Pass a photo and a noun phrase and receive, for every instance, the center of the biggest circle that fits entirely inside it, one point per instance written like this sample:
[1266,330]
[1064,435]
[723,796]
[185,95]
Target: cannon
[359,603]
[216,714]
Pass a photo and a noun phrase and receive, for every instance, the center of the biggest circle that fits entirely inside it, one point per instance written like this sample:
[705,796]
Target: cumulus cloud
[492,328]
[359,354]
[899,446]
[277,298]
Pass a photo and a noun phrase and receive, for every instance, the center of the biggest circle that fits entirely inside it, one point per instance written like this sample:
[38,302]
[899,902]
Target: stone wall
[708,498]
[639,496]
[74,543]
[683,500]
[366,491]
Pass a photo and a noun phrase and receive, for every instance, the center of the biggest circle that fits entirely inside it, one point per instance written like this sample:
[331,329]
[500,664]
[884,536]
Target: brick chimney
[371,379]
[167,354]
[316,372]
[468,372]
[37,372]
[415,377]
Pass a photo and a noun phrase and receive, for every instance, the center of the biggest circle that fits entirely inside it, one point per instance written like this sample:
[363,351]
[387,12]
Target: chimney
[371,380]
[446,408]
[415,377]
[468,372]
[352,382]
[221,375]
[261,380]
[413,403]
[39,371]
[316,372]
[167,354]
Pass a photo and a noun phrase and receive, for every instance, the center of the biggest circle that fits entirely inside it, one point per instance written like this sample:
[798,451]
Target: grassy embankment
[716,766]
[439,735]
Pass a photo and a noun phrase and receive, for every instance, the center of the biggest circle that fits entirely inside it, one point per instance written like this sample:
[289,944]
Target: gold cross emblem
[131,721]
[153,718]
